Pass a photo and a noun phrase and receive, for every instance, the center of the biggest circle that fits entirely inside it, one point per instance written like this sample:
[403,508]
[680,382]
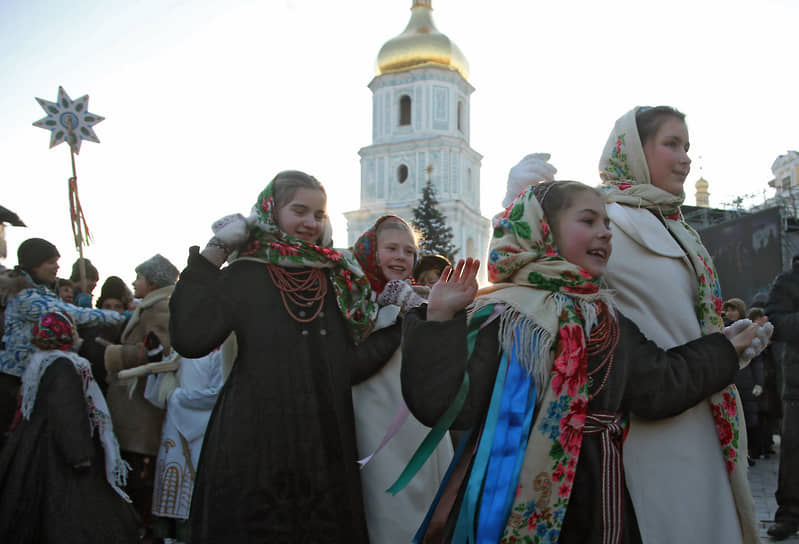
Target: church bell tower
[420,131]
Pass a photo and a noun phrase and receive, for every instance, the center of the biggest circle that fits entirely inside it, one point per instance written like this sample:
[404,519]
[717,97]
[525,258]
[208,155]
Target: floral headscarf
[550,306]
[625,176]
[365,252]
[53,331]
[269,244]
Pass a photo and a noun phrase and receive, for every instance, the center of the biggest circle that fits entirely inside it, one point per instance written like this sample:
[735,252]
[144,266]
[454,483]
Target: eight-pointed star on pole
[68,120]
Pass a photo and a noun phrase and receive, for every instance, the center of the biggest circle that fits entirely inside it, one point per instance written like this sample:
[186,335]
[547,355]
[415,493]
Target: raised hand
[230,233]
[453,291]
[532,169]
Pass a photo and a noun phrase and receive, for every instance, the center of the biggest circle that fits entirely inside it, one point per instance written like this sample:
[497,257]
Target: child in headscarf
[387,434]
[61,473]
[545,372]
[280,450]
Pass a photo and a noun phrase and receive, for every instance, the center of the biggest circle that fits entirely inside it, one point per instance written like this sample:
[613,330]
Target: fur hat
[114,287]
[737,304]
[91,270]
[158,270]
[34,251]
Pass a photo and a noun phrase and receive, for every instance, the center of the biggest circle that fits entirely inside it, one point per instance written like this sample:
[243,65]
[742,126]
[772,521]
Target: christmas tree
[428,219]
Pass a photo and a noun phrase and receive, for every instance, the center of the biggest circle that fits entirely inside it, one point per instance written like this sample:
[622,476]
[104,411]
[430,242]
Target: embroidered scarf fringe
[116,468]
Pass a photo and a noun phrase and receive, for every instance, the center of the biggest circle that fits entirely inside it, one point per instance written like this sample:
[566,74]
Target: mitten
[736,327]
[155,350]
[531,169]
[230,233]
[400,294]
[758,344]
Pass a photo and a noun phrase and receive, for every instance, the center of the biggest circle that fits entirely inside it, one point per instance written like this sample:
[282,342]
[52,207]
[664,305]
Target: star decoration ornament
[68,120]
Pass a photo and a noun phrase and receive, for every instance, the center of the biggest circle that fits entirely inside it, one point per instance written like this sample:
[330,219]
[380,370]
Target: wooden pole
[76,220]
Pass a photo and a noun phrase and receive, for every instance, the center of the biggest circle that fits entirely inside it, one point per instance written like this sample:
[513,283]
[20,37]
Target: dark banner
[746,252]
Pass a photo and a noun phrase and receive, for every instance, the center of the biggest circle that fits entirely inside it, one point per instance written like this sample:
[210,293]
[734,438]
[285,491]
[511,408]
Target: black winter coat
[43,499]
[782,310]
[279,458]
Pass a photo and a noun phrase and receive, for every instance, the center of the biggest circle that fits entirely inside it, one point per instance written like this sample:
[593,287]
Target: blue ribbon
[507,452]
[465,526]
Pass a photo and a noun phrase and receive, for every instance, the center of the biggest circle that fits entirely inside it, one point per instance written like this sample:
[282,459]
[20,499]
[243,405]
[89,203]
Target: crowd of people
[281,390]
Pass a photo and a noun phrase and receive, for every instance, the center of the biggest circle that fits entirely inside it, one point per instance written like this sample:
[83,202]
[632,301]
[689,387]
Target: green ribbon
[429,444]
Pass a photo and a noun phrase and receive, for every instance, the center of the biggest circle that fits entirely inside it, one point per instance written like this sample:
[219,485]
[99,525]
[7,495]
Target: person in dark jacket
[749,381]
[546,372]
[61,472]
[279,458]
[782,309]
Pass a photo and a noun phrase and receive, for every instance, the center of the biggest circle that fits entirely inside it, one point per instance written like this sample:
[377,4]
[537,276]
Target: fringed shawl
[116,469]
[550,306]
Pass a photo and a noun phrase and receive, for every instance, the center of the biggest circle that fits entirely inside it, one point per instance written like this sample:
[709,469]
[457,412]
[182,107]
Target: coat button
[304,332]
[323,332]
[301,313]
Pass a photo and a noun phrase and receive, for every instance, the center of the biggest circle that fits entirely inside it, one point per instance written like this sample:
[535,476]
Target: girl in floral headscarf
[545,372]
[61,472]
[387,434]
[279,451]
[666,283]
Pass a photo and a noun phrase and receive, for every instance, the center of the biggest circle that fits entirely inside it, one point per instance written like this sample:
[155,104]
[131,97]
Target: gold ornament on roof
[421,44]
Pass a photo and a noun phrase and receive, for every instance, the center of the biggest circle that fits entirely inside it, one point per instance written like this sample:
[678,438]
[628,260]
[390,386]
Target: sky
[205,101]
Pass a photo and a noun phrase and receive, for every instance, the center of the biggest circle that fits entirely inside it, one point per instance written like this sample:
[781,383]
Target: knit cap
[34,251]
[158,270]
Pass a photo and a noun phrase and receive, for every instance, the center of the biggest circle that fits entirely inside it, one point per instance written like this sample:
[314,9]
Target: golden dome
[701,183]
[419,44]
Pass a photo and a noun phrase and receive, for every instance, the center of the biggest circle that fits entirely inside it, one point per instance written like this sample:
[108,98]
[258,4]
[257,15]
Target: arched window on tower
[402,173]
[405,110]
[460,115]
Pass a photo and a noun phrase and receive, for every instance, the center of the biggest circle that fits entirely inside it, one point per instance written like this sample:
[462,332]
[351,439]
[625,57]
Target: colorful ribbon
[441,427]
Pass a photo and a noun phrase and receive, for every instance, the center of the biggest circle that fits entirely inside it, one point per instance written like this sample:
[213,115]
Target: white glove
[401,294]
[757,390]
[232,230]
[758,344]
[736,327]
[531,169]
[230,233]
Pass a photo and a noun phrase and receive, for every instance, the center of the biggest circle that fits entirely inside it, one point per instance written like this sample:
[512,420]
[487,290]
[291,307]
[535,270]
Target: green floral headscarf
[269,244]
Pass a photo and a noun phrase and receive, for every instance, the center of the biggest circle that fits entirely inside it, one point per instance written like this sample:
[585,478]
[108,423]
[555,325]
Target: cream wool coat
[376,401]
[674,468]
[137,423]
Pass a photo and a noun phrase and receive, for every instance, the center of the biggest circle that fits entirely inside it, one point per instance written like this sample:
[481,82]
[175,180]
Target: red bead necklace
[604,338]
[302,288]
